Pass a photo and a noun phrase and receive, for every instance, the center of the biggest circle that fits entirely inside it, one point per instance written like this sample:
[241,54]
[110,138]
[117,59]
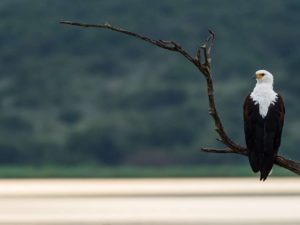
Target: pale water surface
[150,201]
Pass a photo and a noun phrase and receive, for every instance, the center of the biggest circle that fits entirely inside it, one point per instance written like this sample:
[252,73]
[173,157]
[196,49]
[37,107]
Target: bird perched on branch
[263,121]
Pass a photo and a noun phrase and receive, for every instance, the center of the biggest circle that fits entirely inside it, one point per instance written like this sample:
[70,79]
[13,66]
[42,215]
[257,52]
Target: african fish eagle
[263,121]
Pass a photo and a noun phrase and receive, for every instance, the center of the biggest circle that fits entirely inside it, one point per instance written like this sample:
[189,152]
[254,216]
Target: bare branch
[205,69]
[280,161]
[198,55]
[288,164]
[217,150]
[169,45]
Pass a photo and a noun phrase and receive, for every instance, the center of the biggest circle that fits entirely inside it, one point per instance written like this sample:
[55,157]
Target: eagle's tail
[267,166]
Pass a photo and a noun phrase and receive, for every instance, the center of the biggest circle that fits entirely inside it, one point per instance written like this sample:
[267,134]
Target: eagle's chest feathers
[264,96]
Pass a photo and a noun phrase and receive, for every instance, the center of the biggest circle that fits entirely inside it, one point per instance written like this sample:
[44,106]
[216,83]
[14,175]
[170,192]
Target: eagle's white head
[263,93]
[264,77]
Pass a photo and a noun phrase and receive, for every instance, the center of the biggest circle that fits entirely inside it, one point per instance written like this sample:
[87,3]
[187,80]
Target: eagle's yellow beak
[259,76]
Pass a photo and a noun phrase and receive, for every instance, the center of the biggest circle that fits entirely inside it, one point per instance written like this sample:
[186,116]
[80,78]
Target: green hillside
[71,95]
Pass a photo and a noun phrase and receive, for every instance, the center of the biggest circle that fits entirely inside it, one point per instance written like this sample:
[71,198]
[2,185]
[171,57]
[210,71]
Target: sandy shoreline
[144,187]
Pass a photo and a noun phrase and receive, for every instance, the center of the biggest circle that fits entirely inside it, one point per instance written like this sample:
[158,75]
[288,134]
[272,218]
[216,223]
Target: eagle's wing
[280,112]
[272,136]
[249,129]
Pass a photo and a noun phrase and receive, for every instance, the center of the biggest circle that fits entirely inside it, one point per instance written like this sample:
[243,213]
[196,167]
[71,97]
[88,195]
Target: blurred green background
[88,102]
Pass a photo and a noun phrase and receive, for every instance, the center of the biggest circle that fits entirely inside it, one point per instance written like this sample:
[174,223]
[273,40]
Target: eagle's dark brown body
[263,134]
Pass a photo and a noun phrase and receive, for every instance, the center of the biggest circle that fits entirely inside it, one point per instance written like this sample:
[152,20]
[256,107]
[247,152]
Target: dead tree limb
[204,66]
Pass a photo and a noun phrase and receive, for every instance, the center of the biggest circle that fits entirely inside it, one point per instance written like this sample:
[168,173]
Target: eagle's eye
[262,74]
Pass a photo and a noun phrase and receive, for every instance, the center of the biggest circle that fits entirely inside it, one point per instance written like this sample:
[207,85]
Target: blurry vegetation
[93,171]
[85,96]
